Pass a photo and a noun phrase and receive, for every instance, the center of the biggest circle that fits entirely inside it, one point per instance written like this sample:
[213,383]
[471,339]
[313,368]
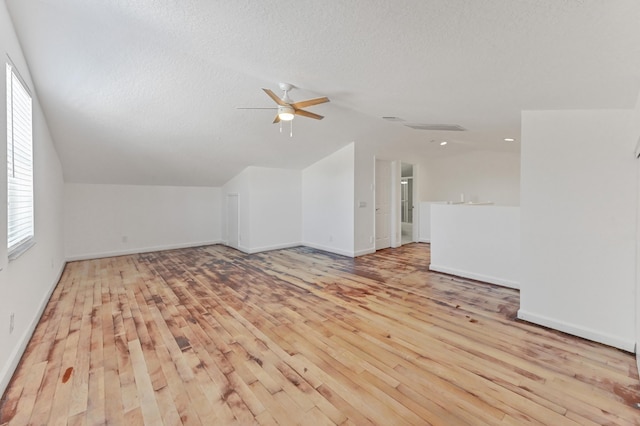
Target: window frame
[20,170]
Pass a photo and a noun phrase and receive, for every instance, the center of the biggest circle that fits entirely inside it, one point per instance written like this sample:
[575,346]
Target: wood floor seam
[212,336]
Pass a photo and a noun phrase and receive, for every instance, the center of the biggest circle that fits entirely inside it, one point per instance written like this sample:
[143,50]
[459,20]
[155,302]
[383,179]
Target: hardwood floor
[212,336]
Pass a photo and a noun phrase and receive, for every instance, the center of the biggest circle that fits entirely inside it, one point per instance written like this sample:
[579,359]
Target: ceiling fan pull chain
[291,130]
[281,127]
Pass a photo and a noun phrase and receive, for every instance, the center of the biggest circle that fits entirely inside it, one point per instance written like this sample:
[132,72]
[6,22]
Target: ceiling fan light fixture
[286,113]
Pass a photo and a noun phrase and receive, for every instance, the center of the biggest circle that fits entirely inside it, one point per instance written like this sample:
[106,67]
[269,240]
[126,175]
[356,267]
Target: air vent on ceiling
[392,118]
[445,127]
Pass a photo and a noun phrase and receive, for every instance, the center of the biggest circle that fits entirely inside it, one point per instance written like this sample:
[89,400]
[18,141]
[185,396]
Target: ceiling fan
[287,109]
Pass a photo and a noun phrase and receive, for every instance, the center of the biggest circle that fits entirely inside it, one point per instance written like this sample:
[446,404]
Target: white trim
[424,240]
[20,166]
[21,249]
[241,248]
[329,249]
[90,256]
[17,73]
[273,247]
[479,277]
[14,359]
[587,333]
[364,252]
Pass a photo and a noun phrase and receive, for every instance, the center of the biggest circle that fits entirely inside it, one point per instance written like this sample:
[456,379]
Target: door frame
[415,211]
[375,203]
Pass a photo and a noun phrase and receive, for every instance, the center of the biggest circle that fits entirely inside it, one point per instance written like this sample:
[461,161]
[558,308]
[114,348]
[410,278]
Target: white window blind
[19,164]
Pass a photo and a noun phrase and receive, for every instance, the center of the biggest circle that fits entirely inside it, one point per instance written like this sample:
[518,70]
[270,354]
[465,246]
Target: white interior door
[232,220]
[407,193]
[383,204]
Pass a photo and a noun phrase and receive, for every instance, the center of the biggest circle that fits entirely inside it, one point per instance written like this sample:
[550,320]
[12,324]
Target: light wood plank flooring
[212,336]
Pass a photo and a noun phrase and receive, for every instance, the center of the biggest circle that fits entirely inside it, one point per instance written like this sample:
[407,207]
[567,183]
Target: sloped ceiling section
[145,92]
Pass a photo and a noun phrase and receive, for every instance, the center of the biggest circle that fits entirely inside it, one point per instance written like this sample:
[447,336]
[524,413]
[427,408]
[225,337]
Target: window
[19,166]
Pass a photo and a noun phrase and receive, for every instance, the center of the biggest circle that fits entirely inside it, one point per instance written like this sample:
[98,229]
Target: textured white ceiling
[145,92]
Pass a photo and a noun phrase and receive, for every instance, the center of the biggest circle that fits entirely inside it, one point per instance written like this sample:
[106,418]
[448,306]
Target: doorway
[233,230]
[406,203]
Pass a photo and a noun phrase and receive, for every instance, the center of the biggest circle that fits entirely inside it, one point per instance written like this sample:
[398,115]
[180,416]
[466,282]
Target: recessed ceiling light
[509,140]
[443,143]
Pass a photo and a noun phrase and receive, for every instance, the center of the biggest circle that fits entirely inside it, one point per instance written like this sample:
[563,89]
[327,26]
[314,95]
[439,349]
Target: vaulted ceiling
[145,91]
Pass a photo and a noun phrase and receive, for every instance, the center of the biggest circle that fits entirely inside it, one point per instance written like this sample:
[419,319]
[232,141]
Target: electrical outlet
[125,238]
[370,239]
[12,322]
[330,238]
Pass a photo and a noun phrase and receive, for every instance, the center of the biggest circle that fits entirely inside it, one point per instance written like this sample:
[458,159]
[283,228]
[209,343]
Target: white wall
[477,242]
[107,220]
[424,213]
[270,208]
[328,203]
[240,185]
[578,215]
[479,175]
[364,200]
[275,208]
[636,136]
[27,282]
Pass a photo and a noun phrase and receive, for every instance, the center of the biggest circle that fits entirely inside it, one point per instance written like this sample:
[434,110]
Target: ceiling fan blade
[309,102]
[277,119]
[308,114]
[275,97]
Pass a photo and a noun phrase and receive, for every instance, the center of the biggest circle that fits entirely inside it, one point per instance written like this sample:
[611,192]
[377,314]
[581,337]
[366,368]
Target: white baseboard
[139,250]
[474,276]
[240,248]
[365,251]
[14,359]
[587,333]
[269,248]
[311,245]
[330,249]
[424,240]
[243,249]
